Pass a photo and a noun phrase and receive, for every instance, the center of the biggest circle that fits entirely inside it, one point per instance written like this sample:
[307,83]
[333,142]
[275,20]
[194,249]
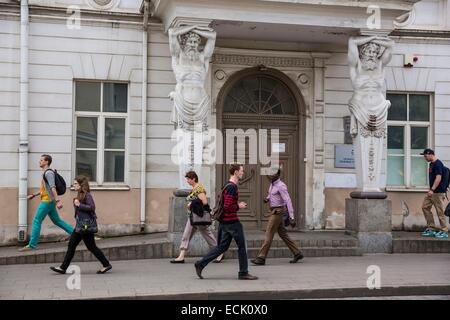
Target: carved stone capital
[182,21]
[374,32]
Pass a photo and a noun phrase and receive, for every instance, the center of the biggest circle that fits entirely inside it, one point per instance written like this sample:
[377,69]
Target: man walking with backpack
[439,181]
[229,227]
[49,203]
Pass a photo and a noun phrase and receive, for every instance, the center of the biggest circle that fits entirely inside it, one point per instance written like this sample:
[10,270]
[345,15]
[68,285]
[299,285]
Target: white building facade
[99,75]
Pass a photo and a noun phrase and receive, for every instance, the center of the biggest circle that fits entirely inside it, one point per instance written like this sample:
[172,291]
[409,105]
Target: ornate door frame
[305,72]
[276,108]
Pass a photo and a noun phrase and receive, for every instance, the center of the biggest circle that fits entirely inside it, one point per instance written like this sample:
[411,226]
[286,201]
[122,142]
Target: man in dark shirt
[230,227]
[435,196]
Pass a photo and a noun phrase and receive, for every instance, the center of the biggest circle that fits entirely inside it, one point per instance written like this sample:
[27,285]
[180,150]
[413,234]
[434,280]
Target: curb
[295,294]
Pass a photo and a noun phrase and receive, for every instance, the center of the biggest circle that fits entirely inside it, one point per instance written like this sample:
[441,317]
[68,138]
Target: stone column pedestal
[371,221]
[177,222]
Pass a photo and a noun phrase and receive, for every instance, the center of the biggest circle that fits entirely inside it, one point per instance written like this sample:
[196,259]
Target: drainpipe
[146,9]
[23,139]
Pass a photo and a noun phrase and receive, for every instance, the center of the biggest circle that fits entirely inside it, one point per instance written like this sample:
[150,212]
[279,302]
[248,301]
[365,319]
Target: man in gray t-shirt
[48,206]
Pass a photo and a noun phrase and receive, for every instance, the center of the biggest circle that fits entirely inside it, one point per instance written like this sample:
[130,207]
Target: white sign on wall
[344,156]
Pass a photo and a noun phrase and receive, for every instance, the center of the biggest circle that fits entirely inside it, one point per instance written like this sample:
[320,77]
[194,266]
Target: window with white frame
[409,131]
[101,110]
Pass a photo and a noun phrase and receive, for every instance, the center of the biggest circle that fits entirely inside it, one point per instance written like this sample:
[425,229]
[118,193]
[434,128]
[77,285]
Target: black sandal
[58,270]
[106,269]
[177,261]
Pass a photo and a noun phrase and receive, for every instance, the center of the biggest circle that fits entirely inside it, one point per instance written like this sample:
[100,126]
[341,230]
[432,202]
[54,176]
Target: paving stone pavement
[424,274]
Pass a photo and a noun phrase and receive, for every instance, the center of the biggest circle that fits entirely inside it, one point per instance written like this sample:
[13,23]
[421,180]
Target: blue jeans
[44,209]
[226,233]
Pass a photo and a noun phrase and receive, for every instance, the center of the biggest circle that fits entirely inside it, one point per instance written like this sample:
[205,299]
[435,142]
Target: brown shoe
[198,270]
[247,276]
[258,261]
[297,257]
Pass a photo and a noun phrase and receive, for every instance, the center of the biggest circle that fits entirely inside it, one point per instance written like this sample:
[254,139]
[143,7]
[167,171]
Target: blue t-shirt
[437,168]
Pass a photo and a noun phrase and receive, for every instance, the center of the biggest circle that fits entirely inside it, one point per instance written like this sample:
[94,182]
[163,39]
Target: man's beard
[369,63]
[192,54]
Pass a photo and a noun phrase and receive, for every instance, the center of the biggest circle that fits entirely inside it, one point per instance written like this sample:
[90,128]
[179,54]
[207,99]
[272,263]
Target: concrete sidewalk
[321,277]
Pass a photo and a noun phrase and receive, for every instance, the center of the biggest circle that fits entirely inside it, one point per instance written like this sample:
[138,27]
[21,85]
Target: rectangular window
[409,131]
[101,110]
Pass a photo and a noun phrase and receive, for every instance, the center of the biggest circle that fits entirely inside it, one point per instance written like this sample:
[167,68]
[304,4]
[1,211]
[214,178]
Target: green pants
[44,209]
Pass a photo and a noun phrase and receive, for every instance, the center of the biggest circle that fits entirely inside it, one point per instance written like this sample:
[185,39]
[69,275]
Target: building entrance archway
[252,100]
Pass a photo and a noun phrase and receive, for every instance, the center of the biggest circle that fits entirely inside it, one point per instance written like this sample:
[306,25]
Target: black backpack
[446,184]
[446,179]
[447,211]
[60,183]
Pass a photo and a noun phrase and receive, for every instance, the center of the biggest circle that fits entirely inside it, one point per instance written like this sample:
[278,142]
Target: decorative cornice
[421,33]
[87,15]
[271,117]
[180,21]
[253,60]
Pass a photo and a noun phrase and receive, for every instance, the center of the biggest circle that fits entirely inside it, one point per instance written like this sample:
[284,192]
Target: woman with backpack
[195,200]
[86,227]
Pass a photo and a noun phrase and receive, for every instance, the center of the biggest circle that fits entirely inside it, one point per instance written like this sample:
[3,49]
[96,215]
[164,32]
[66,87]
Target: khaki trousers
[436,200]
[276,225]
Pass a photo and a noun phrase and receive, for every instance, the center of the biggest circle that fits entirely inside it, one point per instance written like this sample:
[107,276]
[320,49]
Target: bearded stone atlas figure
[191,103]
[367,57]
[190,66]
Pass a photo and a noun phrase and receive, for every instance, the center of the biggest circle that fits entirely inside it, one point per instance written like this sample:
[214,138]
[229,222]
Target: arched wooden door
[254,100]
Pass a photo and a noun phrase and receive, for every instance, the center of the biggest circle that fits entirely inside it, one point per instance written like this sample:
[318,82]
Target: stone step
[304,243]
[421,246]
[232,253]
[158,246]
[163,249]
